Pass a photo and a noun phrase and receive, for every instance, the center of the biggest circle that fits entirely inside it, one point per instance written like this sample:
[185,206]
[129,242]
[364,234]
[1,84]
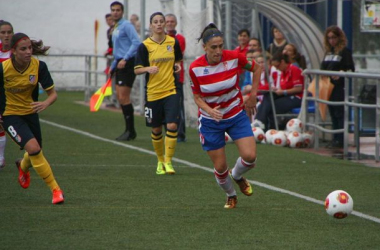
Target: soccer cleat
[58,196]
[231,202]
[160,168]
[127,136]
[169,168]
[244,185]
[23,178]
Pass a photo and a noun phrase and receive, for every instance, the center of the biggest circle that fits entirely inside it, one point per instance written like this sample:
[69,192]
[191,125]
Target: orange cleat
[244,185]
[231,202]
[58,196]
[23,178]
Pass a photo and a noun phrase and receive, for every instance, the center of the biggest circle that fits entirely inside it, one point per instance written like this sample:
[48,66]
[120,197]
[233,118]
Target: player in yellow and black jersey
[159,56]
[19,107]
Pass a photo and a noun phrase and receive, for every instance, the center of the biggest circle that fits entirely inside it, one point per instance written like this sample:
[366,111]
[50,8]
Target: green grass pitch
[114,199]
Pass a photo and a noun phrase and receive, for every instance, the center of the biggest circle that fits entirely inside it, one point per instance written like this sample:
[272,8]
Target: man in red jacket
[171,23]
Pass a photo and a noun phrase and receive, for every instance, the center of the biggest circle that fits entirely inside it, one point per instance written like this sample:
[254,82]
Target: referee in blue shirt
[125,43]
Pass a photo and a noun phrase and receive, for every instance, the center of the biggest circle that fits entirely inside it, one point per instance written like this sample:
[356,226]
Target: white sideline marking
[194,165]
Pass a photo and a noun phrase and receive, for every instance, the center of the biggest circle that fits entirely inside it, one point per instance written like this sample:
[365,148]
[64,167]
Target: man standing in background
[171,23]
[125,43]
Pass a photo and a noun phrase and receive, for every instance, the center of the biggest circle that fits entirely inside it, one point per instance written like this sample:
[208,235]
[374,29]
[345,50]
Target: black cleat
[127,136]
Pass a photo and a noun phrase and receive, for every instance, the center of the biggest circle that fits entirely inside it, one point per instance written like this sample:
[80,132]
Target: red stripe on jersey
[219,81]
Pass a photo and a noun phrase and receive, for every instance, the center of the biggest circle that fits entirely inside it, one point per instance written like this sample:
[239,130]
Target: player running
[19,107]
[215,79]
[6,33]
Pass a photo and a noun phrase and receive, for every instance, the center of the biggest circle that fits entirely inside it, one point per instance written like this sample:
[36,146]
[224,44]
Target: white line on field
[194,165]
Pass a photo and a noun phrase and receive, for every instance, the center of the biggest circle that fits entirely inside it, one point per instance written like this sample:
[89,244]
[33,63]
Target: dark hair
[209,32]
[255,39]
[2,22]
[244,31]
[279,56]
[250,51]
[155,14]
[37,46]
[108,15]
[117,3]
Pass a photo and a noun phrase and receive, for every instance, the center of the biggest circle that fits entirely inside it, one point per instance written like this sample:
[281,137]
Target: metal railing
[349,101]
[90,71]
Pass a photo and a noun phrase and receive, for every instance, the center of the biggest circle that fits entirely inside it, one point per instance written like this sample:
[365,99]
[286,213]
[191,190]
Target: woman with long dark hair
[215,85]
[19,108]
[159,57]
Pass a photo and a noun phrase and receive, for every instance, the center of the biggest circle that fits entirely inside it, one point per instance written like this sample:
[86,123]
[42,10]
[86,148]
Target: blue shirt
[247,79]
[125,41]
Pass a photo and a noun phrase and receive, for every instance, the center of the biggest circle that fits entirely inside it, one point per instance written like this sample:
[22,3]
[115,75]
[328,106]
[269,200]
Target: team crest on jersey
[169,48]
[32,79]
[225,64]
[205,71]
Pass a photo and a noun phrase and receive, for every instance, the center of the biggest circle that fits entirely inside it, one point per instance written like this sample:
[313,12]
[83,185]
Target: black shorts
[22,128]
[126,76]
[165,110]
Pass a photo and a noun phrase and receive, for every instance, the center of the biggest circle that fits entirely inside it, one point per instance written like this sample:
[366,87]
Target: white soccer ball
[227,138]
[259,134]
[279,139]
[295,140]
[339,204]
[294,125]
[269,135]
[258,124]
[308,139]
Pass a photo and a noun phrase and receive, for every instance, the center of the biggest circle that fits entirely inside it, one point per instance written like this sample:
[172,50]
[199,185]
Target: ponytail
[209,32]
[37,46]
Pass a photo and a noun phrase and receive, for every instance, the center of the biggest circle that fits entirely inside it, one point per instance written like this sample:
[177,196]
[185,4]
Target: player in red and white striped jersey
[6,33]
[215,79]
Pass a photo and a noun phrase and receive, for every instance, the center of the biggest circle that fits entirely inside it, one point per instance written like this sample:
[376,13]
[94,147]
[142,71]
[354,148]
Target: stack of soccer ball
[292,136]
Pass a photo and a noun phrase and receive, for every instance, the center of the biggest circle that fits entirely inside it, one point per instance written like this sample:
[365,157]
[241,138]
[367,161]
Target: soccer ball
[339,204]
[279,139]
[227,138]
[295,140]
[258,133]
[269,135]
[294,125]
[308,139]
[258,124]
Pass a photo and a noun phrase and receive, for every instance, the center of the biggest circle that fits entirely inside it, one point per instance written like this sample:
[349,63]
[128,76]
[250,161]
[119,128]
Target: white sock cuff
[248,164]
[221,175]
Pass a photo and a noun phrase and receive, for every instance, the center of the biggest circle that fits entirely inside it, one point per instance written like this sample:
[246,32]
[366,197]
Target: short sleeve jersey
[163,55]
[19,89]
[292,77]
[218,84]
[4,54]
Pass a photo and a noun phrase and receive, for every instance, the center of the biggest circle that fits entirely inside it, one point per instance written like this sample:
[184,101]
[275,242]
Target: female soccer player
[159,56]
[6,33]
[19,107]
[216,92]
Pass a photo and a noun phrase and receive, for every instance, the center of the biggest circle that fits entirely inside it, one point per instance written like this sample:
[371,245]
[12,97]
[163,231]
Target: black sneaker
[127,136]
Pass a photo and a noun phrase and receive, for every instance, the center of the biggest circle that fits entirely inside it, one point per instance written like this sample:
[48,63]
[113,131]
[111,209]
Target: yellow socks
[170,144]
[43,169]
[25,163]
[158,145]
